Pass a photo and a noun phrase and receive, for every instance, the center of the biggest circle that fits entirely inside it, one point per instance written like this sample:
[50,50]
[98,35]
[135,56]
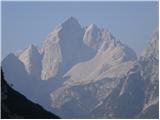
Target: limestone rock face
[85,72]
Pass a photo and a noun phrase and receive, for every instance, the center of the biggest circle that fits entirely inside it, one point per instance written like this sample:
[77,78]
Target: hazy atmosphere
[80,60]
[24,23]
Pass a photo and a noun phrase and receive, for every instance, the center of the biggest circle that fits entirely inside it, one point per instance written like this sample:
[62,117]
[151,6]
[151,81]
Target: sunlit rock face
[150,72]
[139,87]
[81,72]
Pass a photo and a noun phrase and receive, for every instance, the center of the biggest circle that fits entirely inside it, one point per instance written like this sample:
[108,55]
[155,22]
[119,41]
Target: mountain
[126,100]
[150,72]
[31,58]
[62,49]
[19,77]
[14,105]
[138,89]
[85,72]
[88,83]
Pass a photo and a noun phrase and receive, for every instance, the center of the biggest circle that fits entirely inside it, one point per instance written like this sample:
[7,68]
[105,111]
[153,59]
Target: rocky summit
[85,72]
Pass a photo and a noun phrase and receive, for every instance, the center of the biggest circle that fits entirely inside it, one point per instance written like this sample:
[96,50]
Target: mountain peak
[152,49]
[93,26]
[71,21]
[32,46]
[71,18]
[32,49]
[10,56]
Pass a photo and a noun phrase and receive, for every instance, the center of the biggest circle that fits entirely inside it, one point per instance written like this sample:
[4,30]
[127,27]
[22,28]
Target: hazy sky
[24,23]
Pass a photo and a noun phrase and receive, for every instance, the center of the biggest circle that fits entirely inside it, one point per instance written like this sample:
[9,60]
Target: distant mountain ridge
[69,49]
[81,71]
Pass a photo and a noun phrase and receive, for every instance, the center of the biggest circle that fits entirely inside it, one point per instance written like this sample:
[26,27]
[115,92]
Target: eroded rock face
[64,48]
[150,72]
[96,77]
[70,44]
[126,100]
[31,58]
[139,89]
[83,72]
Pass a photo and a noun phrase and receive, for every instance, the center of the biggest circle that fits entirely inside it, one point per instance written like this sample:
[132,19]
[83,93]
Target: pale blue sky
[24,23]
